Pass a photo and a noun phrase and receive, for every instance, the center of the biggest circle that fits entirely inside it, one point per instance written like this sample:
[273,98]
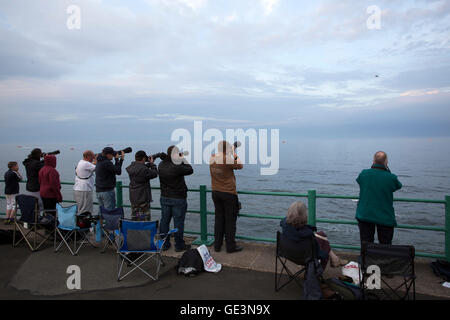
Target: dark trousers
[367,232]
[49,204]
[176,208]
[226,210]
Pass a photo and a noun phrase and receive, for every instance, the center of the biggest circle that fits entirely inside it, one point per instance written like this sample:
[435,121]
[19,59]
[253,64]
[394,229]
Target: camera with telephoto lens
[54,153]
[163,155]
[126,150]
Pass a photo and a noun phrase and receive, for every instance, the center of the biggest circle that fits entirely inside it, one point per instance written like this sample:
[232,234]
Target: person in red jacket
[50,185]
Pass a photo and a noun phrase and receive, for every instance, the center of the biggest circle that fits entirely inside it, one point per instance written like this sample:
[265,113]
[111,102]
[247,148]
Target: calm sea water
[328,166]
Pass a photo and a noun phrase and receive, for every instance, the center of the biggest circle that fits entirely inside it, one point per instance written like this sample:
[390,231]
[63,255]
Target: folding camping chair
[29,225]
[67,229]
[138,237]
[300,253]
[109,223]
[394,261]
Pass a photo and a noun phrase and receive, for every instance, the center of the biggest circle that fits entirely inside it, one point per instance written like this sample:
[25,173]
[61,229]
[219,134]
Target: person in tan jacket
[224,195]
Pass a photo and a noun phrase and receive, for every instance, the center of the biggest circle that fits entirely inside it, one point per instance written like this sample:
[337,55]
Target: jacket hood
[50,160]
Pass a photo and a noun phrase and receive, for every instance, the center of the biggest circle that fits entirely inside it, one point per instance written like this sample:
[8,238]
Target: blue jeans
[176,208]
[107,199]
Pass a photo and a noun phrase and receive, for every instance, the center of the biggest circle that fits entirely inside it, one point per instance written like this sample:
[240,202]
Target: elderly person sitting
[295,228]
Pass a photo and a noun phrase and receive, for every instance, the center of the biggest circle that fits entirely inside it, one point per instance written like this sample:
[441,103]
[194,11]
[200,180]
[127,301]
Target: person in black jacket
[172,170]
[12,178]
[141,172]
[33,164]
[105,177]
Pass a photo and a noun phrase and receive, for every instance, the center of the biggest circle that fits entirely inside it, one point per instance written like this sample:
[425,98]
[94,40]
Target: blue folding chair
[138,238]
[109,224]
[68,230]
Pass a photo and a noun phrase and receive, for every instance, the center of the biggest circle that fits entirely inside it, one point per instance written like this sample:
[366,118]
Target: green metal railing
[206,238]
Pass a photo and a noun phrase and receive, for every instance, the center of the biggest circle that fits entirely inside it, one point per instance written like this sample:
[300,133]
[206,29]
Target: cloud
[189,118]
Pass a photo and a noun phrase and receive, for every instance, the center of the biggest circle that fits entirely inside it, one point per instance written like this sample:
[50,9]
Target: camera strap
[76,174]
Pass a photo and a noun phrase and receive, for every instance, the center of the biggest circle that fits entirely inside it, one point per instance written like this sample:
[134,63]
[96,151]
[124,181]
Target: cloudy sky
[142,68]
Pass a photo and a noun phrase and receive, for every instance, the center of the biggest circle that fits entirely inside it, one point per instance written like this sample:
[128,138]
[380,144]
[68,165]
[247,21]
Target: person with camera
[224,194]
[33,164]
[141,171]
[105,176]
[375,208]
[172,170]
[83,188]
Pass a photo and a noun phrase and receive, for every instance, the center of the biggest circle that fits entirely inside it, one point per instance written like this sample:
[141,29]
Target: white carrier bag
[208,261]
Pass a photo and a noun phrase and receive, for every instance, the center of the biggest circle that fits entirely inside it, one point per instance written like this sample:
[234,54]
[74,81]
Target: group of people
[374,211]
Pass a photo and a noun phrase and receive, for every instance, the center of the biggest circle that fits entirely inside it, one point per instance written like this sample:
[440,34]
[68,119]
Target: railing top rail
[294,194]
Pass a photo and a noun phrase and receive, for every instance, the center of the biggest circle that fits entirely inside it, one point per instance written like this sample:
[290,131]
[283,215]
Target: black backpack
[442,269]
[344,290]
[190,263]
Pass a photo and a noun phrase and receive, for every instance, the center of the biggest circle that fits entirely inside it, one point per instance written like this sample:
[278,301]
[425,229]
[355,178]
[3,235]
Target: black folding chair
[396,262]
[29,225]
[300,253]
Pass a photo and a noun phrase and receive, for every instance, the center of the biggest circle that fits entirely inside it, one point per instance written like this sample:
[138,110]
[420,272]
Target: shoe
[165,248]
[217,249]
[235,249]
[186,247]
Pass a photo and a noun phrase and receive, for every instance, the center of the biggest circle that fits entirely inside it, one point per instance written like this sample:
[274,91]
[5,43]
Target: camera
[163,156]
[50,153]
[126,150]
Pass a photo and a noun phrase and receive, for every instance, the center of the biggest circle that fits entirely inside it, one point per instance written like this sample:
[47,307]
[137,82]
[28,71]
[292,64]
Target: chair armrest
[173,231]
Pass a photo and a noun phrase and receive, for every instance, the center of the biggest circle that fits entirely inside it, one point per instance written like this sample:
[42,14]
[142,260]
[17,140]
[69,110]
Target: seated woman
[295,228]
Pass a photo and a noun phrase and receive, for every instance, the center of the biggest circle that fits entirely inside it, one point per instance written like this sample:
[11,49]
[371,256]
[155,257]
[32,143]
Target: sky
[137,70]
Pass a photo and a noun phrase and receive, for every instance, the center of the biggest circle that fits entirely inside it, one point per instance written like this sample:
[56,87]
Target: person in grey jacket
[141,172]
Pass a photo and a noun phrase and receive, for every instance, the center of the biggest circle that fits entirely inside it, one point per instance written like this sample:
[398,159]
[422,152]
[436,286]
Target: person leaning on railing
[224,194]
[376,201]
[50,184]
[141,171]
[83,189]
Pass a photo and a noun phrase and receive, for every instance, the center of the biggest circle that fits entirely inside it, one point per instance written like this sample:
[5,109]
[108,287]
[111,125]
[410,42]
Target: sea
[327,166]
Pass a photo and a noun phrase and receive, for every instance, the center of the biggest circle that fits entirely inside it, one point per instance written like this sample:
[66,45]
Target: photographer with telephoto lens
[33,164]
[105,176]
[172,170]
[141,171]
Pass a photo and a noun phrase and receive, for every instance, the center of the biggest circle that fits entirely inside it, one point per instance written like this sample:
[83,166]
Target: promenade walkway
[246,275]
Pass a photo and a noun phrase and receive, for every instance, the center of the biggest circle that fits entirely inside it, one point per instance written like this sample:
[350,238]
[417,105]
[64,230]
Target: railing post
[447,228]
[312,207]
[203,239]
[119,194]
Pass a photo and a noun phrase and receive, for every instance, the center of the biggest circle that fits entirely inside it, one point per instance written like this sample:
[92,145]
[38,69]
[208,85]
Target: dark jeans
[367,232]
[176,208]
[226,210]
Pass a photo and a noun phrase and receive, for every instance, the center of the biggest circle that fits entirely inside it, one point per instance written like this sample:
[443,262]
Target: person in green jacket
[375,206]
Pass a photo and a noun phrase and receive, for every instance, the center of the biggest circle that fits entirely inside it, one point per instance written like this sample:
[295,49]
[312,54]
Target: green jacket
[376,188]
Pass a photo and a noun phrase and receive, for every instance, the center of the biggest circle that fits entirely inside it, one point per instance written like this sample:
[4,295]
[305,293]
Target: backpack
[190,263]
[441,268]
[84,220]
[343,290]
